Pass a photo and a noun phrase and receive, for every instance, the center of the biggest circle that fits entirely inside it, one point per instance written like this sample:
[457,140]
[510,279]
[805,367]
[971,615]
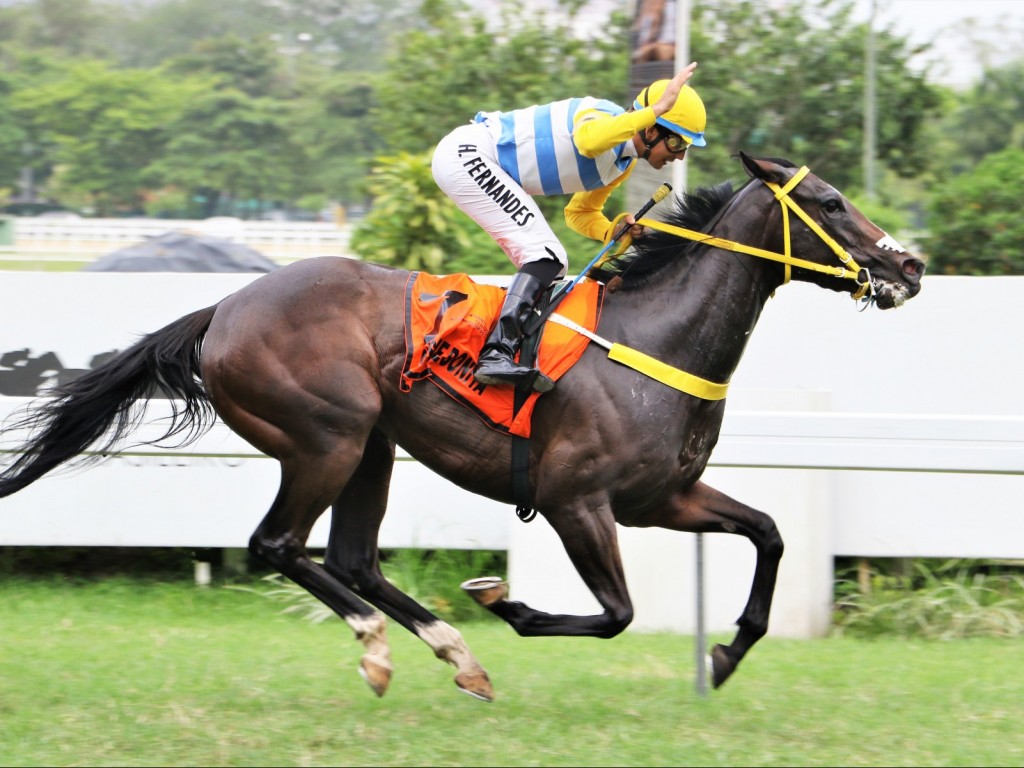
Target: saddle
[447,321]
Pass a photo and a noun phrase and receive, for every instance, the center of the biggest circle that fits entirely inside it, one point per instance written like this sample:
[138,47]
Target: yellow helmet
[687,117]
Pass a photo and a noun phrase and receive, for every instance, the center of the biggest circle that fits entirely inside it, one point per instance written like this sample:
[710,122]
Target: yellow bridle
[850,269]
[694,385]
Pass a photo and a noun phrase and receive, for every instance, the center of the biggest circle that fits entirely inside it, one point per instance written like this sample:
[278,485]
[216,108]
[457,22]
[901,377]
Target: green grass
[123,672]
[40,265]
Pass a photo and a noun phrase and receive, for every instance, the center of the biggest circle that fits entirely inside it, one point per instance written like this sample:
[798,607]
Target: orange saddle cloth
[447,321]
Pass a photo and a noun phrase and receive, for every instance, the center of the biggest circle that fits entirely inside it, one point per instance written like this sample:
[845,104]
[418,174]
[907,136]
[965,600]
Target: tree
[251,66]
[227,145]
[149,34]
[989,117]
[444,74]
[106,126]
[786,79]
[13,138]
[412,224]
[72,27]
[355,34]
[331,124]
[975,222]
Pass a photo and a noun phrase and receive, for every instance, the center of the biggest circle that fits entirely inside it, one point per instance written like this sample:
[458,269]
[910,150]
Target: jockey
[492,166]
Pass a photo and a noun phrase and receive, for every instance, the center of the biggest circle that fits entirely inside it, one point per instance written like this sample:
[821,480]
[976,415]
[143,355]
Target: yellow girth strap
[650,366]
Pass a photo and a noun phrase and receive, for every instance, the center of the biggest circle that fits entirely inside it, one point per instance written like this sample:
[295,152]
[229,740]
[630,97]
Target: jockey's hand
[668,98]
[635,230]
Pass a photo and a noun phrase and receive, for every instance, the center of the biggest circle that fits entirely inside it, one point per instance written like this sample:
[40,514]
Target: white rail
[38,238]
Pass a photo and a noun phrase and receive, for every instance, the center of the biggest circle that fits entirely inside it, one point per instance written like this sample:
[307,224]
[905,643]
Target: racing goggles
[674,143]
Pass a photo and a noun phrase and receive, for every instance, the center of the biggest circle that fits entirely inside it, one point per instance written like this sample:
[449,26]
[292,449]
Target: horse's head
[825,228]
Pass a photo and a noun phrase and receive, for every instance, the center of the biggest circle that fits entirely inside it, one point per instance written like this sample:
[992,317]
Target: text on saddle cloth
[447,321]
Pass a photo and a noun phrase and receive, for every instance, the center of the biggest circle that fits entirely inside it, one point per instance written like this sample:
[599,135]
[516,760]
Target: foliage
[791,84]
[105,126]
[93,563]
[947,600]
[888,218]
[331,125]
[236,106]
[251,66]
[457,66]
[974,221]
[412,224]
[227,143]
[13,137]
[149,34]
[75,27]
[988,118]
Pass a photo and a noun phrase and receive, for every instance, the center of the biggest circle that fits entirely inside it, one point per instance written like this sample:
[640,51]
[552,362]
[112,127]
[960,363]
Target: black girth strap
[533,329]
[521,445]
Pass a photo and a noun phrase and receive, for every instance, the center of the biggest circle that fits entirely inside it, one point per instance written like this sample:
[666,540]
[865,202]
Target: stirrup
[518,377]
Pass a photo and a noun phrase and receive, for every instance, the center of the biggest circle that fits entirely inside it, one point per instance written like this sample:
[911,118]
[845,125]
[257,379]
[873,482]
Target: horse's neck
[700,313]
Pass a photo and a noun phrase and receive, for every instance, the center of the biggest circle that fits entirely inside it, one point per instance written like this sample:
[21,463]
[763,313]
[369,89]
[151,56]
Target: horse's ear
[765,169]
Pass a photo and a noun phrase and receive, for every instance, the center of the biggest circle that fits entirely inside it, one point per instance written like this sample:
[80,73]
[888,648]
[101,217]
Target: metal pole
[701,640]
[870,120]
[683,13]
[683,9]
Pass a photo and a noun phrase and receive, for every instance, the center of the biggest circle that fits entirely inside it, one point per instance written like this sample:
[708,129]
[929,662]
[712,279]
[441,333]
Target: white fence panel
[883,434]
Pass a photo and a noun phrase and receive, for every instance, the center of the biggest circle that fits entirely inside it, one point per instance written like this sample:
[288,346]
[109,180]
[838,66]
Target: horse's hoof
[721,665]
[487,590]
[476,684]
[376,673]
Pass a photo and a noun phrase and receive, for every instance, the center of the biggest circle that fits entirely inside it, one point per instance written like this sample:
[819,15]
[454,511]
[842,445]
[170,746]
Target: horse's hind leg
[309,483]
[352,557]
[702,509]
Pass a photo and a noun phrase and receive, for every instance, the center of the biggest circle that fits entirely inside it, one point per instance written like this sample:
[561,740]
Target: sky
[964,32]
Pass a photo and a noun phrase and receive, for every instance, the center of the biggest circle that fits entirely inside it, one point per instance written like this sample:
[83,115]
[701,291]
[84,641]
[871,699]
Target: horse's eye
[832,206]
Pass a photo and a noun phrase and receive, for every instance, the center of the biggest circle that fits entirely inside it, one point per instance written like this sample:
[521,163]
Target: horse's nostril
[913,268]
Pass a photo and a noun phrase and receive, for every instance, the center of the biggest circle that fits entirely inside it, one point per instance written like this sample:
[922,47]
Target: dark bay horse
[304,364]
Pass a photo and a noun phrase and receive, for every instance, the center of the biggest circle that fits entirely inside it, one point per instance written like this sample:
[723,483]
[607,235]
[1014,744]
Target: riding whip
[659,194]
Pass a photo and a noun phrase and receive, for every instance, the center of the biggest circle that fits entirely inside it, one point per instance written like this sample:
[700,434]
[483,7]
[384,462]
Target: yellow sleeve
[585,212]
[595,132]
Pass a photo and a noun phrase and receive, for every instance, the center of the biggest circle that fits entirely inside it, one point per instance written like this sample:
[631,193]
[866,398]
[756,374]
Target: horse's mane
[649,254]
[646,256]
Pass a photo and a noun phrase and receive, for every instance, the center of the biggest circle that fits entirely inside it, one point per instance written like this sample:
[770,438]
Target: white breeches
[465,167]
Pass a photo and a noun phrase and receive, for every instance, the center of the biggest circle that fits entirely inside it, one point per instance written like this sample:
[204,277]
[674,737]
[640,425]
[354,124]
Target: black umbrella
[184,252]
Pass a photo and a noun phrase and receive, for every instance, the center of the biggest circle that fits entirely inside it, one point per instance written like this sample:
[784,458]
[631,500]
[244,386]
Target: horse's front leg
[699,508]
[588,534]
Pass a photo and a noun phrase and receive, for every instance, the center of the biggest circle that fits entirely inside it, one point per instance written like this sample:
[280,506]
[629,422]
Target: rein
[849,271]
[687,382]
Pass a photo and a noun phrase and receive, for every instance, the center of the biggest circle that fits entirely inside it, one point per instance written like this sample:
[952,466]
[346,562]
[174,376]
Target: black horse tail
[99,409]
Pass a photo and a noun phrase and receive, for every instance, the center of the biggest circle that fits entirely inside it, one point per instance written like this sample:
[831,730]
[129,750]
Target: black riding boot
[497,364]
